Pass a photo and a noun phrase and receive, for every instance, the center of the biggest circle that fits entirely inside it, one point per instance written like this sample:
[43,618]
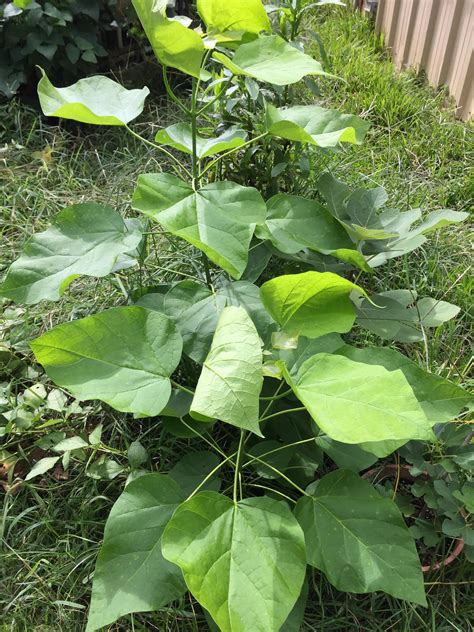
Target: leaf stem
[283,447]
[275,491]
[210,475]
[288,480]
[275,397]
[282,412]
[160,148]
[171,93]
[231,151]
[183,388]
[238,464]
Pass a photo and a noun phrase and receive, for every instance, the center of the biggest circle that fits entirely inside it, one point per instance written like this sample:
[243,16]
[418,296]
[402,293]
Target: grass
[53,526]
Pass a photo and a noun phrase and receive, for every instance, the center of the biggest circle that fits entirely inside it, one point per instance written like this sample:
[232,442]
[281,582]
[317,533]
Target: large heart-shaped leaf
[173,43]
[123,356]
[179,136]
[131,574]
[294,223]
[440,399]
[345,455]
[315,125]
[196,309]
[231,379]
[244,562]
[95,100]
[354,402]
[399,315]
[358,538]
[271,59]
[219,218]
[310,304]
[85,239]
[247,16]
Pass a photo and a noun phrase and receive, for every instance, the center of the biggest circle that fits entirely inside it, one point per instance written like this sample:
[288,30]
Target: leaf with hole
[358,538]
[123,356]
[219,218]
[94,100]
[271,59]
[231,379]
[179,136]
[244,562]
[310,304]
[85,239]
[131,574]
[315,125]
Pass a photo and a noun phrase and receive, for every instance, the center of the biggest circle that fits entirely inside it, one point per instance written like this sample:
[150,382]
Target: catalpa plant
[272,366]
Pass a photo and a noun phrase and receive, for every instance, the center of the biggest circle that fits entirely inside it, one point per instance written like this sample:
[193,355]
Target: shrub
[277,386]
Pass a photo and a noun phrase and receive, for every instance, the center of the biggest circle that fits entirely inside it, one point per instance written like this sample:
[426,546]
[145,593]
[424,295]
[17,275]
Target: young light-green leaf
[231,379]
[179,136]
[123,356]
[245,562]
[219,218]
[94,100]
[358,538]
[131,574]
[85,239]
[271,59]
[247,16]
[174,44]
[315,125]
[310,304]
[354,402]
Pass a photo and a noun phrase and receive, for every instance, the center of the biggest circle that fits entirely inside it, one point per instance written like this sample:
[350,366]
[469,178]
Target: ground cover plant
[303,340]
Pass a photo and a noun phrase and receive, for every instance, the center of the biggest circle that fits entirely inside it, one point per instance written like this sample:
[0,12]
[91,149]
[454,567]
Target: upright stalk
[196,164]
[238,464]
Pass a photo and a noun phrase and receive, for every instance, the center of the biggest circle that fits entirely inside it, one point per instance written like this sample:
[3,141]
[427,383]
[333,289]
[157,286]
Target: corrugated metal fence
[437,35]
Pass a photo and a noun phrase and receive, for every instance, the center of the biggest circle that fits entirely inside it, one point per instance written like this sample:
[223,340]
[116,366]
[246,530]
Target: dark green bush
[68,38]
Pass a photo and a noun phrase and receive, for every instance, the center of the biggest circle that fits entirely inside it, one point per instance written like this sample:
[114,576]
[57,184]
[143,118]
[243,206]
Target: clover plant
[271,365]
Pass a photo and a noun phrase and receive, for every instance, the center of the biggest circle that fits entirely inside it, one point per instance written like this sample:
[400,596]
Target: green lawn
[52,528]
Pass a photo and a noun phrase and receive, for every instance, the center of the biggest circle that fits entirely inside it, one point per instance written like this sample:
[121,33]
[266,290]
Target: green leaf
[42,466]
[246,16]
[123,356]
[174,44]
[310,304]
[315,125]
[104,469]
[231,379]
[71,443]
[193,468]
[398,315]
[196,309]
[131,574]
[346,456]
[353,402]
[219,218]
[179,136]
[95,100]
[271,59]
[244,562]
[358,538]
[440,399]
[279,460]
[439,219]
[294,223]
[85,239]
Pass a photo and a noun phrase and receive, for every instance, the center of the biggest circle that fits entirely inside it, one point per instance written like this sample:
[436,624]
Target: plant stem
[283,412]
[183,388]
[238,464]
[275,397]
[171,93]
[275,491]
